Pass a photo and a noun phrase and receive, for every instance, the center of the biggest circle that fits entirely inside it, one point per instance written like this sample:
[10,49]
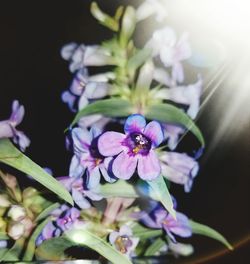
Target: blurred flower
[8,127]
[124,241]
[16,230]
[3,244]
[179,168]
[164,43]
[81,56]
[180,249]
[172,134]
[64,218]
[151,7]
[4,202]
[159,218]
[79,192]
[187,95]
[136,146]
[87,157]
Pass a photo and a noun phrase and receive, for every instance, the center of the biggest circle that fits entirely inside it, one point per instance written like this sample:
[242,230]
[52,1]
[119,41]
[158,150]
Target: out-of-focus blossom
[80,193]
[179,168]
[171,51]
[3,244]
[64,218]
[84,88]
[8,127]
[17,212]
[172,134]
[180,249]
[135,148]
[124,241]
[187,95]
[88,158]
[4,202]
[81,56]
[159,218]
[16,230]
[152,7]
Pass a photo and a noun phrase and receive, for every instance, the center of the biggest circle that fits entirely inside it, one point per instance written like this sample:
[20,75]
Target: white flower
[171,51]
[16,231]
[151,7]
[17,213]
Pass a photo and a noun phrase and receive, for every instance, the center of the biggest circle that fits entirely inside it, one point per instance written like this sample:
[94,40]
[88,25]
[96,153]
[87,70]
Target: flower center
[122,243]
[138,143]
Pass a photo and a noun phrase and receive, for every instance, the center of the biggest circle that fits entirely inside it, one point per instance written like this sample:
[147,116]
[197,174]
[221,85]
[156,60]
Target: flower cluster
[126,133]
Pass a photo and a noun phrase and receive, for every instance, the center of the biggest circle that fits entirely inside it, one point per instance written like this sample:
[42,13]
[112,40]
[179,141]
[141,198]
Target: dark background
[32,71]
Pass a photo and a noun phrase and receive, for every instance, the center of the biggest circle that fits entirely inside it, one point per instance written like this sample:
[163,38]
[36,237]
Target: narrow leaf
[47,211]
[159,191]
[144,232]
[155,247]
[30,249]
[114,189]
[109,107]
[11,156]
[209,232]
[139,58]
[86,238]
[170,114]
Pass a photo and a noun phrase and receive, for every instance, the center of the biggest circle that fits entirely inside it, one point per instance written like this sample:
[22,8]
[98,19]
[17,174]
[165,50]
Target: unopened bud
[4,202]
[16,231]
[16,213]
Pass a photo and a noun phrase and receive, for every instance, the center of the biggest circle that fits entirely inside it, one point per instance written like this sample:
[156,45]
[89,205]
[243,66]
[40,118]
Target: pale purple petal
[110,143]
[80,200]
[22,140]
[154,131]
[113,236]
[124,166]
[83,102]
[76,169]
[172,133]
[160,216]
[125,231]
[134,123]
[96,90]
[148,221]
[6,131]
[149,167]
[94,177]
[92,195]
[68,50]
[177,72]
[17,113]
[82,139]
[105,174]
[95,131]
[48,230]
[69,99]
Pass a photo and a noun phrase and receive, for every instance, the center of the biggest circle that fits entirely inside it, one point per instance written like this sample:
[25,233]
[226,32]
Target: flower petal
[124,166]
[6,130]
[125,231]
[79,199]
[149,167]
[154,131]
[76,169]
[94,177]
[113,236]
[68,50]
[134,123]
[110,143]
[82,139]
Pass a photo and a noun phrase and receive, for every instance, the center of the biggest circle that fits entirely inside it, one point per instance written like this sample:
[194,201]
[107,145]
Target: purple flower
[64,218]
[124,241]
[88,158]
[172,134]
[8,127]
[159,218]
[135,148]
[179,168]
[79,192]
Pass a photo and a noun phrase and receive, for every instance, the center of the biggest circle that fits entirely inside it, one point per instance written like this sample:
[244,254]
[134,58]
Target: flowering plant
[129,121]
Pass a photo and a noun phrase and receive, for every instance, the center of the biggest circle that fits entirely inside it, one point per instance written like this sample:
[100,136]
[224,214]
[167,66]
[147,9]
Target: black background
[32,71]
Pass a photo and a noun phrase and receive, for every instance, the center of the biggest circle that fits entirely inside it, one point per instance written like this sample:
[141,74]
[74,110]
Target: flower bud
[16,231]
[16,213]
[4,202]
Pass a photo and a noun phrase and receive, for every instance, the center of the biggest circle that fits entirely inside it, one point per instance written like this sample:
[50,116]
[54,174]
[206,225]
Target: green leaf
[144,232]
[159,192]
[30,249]
[105,19]
[139,58]
[209,232]
[13,253]
[171,114]
[3,236]
[86,238]
[47,211]
[155,247]
[109,107]
[11,156]
[114,189]
[54,249]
